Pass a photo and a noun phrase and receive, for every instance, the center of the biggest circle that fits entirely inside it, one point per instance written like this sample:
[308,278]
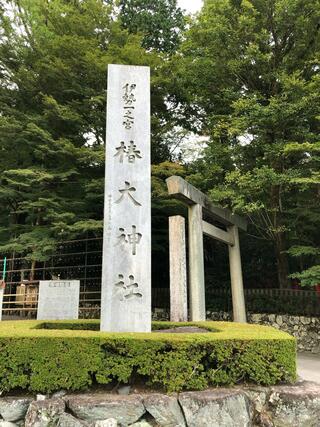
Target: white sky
[191,6]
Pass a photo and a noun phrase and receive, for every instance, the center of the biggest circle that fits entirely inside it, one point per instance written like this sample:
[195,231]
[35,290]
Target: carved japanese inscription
[127,289]
[126,276]
[126,192]
[133,238]
[129,151]
[128,107]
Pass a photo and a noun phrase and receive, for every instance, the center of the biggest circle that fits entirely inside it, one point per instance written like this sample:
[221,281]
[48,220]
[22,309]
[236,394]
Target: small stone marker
[58,300]
[126,266]
[178,275]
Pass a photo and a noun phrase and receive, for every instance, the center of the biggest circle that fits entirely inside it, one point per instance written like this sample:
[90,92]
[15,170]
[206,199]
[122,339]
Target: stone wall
[280,406]
[305,329]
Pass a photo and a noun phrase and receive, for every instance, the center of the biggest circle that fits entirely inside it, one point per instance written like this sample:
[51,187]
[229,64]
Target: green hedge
[73,355]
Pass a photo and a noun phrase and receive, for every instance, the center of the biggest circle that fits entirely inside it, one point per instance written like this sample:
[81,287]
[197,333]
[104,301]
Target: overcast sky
[190,5]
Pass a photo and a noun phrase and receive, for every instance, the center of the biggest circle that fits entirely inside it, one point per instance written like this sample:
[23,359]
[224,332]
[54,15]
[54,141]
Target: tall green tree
[53,62]
[161,22]
[250,81]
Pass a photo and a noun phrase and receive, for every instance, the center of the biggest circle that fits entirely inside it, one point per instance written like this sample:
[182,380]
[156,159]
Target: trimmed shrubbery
[73,355]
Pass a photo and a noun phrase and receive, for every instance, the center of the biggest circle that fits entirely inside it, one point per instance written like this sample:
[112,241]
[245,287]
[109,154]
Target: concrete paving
[309,366]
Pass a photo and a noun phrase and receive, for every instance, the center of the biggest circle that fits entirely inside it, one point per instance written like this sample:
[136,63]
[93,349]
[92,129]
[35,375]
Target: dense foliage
[161,22]
[45,360]
[250,78]
[53,63]
[244,73]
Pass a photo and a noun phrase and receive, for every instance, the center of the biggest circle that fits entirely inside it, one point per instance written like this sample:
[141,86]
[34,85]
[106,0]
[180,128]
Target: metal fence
[277,301]
[82,260]
[74,259]
[25,304]
[272,301]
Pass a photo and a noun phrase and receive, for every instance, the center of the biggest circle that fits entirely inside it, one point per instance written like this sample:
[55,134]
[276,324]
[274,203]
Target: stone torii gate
[197,204]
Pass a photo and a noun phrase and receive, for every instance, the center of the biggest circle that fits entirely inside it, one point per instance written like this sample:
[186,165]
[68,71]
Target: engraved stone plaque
[58,300]
[126,272]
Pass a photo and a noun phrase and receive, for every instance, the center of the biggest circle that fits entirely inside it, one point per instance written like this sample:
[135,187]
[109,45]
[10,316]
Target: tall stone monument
[126,270]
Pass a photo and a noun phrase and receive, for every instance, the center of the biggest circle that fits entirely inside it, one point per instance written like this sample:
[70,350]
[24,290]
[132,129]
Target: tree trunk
[32,270]
[282,260]
[280,238]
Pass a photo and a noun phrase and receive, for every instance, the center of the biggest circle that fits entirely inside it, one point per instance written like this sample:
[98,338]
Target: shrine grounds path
[309,366]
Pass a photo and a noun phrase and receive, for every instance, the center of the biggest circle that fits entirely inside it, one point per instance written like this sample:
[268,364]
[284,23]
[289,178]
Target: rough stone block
[165,410]
[110,422]
[13,408]
[263,419]
[255,318]
[296,405]
[142,423]
[279,320]
[125,409]
[272,317]
[44,413]
[222,407]
[67,420]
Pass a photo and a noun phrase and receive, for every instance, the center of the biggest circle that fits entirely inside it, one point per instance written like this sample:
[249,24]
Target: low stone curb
[125,409]
[251,406]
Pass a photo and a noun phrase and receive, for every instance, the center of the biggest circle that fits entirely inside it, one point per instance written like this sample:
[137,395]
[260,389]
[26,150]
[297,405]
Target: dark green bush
[48,356]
